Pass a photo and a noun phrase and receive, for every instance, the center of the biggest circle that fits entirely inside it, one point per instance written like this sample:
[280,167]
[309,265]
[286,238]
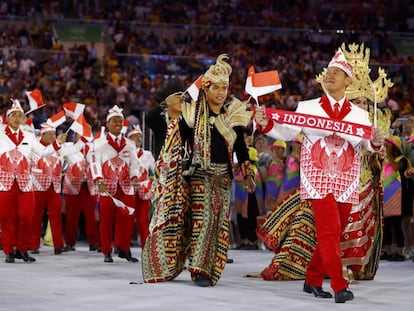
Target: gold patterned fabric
[210,199]
[168,244]
[290,232]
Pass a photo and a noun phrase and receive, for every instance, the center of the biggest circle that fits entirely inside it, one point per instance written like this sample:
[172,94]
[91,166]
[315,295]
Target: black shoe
[317,291]
[127,256]
[58,250]
[202,280]
[9,258]
[108,258]
[69,249]
[93,248]
[116,250]
[385,256]
[396,257]
[99,250]
[35,251]
[343,295]
[25,256]
[229,260]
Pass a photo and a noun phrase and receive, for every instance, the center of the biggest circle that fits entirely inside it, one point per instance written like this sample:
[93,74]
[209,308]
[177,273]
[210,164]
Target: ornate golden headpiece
[362,85]
[219,72]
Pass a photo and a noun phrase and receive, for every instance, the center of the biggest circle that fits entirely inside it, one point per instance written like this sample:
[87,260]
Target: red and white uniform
[80,196]
[330,163]
[330,167]
[146,164]
[16,185]
[117,166]
[47,186]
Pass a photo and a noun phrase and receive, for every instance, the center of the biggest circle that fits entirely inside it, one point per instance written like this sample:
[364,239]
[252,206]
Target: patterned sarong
[210,206]
[290,232]
[167,246]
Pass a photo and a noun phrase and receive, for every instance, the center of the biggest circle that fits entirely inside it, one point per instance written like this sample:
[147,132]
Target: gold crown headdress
[219,72]
[362,85]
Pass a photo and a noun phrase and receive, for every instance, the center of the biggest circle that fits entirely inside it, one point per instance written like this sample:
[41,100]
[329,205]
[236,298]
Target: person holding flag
[330,167]
[170,97]
[16,194]
[80,195]
[215,128]
[47,186]
[146,164]
[115,170]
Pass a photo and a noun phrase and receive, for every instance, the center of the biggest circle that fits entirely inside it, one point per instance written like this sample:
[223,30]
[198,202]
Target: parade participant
[47,187]
[274,174]
[362,237]
[215,129]
[80,196]
[16,194]
[330,167]
[146,165]
[114,167]
[398,197]
[170,99]
[249,205]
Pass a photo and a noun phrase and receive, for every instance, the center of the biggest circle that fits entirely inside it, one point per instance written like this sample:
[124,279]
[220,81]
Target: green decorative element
[78,32]
[404,45]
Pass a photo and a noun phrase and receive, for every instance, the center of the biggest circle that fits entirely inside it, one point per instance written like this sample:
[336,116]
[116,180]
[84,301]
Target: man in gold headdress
[214,129]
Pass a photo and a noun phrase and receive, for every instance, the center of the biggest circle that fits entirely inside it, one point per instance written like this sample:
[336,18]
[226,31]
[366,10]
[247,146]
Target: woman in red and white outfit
[16,191]
[114,167]
[80,196]
[146,164]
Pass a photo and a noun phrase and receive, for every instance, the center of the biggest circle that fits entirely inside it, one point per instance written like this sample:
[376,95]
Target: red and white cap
[115,111]
[46,127]
[136,129]
[14,107]
[340,62]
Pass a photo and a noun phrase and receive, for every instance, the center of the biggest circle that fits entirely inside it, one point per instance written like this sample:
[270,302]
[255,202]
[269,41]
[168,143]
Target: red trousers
[51,201]
[330,220]
[75,204]
[110,215]
[142,210]
[16,214]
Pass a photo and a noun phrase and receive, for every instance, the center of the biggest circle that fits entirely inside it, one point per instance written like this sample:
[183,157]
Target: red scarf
[114,145]
[16,138]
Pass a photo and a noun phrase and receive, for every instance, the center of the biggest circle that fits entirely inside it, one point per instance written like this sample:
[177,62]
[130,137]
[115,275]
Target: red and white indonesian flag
[57,119]
[122,205]
[194,88]
[261,83]
[100,134]
[81,127]
[73,110]
[125,126]
[317,122]
[35,100]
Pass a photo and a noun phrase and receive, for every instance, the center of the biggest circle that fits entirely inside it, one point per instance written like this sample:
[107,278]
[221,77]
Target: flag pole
[375,105]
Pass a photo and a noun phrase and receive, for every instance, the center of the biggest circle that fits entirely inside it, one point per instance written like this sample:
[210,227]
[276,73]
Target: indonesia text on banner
[309,121]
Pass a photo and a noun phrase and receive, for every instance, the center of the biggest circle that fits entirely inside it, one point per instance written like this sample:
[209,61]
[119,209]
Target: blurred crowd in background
[147,42]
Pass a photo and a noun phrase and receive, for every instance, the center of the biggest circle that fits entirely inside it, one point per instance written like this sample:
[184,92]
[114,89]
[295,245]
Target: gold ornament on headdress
[219,72]
[362,85]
